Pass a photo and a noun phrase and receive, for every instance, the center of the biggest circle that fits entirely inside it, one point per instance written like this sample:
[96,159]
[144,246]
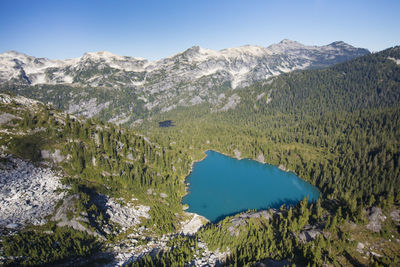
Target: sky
[151,29]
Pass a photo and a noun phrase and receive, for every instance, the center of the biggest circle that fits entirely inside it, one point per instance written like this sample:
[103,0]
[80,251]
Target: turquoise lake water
[220,185]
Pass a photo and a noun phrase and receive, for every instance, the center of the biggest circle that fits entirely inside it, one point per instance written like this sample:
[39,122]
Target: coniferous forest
[337,128]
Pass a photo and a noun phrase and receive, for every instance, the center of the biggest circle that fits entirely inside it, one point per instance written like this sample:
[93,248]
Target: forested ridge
[99,159]
[352,140]
[338,128]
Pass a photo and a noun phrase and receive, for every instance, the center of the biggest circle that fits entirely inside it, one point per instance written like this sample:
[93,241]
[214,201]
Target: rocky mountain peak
[192,52]
[340,44]
[12,53]
[100,55]
[108,56]
[286,45]
[246,50]
[288,42]
[194,76]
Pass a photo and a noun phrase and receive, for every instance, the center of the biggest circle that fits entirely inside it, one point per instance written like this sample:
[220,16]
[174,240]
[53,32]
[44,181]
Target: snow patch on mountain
[397,61]
[192,77]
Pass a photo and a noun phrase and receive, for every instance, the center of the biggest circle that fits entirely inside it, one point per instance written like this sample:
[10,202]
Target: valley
[116,176]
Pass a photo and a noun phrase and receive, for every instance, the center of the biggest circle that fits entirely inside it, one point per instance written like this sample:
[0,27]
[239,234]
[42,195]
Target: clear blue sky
[150,29]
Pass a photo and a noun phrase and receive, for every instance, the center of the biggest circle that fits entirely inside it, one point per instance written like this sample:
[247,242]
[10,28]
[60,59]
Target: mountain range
[124,89]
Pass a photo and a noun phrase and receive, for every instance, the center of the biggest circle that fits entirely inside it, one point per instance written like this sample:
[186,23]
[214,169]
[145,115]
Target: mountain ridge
[283,47]
[196,75]
[105,52]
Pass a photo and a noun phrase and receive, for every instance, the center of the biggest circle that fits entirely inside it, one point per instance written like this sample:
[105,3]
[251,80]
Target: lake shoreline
[187,206]
[281,167]
[190,171]
[196,161]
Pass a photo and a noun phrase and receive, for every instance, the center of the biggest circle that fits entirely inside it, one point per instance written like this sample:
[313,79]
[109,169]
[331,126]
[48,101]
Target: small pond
[167,123]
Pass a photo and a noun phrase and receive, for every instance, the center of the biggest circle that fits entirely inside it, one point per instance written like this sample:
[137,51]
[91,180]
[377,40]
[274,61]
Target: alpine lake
[219,186]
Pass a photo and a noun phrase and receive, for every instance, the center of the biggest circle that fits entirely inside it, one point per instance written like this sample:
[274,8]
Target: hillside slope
[82,184]
[308,107]
[338,128]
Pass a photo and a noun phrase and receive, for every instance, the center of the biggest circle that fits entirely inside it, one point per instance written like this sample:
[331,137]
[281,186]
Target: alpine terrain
[94,153]
[125,90]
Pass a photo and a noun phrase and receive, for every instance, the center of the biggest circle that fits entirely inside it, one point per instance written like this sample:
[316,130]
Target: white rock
[128,215]
[28,192]
[191,226]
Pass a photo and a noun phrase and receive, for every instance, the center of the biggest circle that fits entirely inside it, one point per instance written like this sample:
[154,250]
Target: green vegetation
[61,96]
[181,252]
[110,160]
[27,147]
[338,128]
[32,247]
[346,146]
[96,158]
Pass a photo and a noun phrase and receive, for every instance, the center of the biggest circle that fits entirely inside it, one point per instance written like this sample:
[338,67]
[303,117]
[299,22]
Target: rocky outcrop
[27,193]
[309,235]
[6,117]
[129,250]
[283,168]
[56,156]
[395,215]
[260,158]
[127,215]
[237,153]
[209,258]
[233,101]
[241,220]
[375,218]
[192,225]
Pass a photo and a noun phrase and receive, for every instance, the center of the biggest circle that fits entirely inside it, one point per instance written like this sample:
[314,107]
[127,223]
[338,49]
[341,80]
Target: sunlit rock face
[192,77]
